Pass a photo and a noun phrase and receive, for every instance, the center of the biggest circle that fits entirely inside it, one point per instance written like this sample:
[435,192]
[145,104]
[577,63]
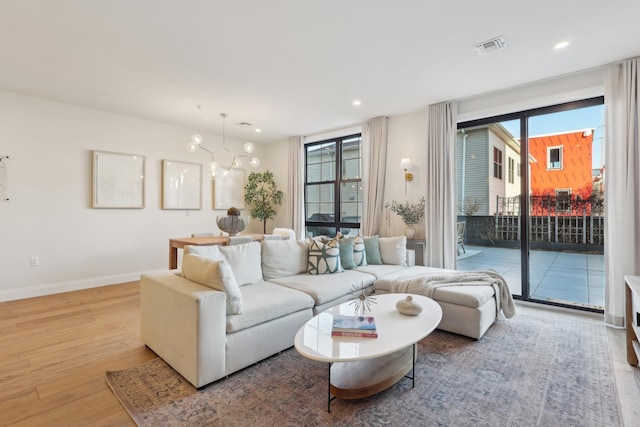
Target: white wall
[49,214]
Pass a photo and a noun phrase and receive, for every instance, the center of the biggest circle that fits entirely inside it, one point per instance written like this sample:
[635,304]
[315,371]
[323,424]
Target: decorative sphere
[255,162]
[237,163]
[233,211]
[248,148]
[232,224]
[196,139]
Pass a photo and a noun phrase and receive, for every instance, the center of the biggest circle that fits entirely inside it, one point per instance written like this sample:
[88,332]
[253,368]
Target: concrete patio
[568,278]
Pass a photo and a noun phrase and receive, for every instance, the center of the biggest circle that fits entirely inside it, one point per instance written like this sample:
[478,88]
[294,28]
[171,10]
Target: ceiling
[294,67]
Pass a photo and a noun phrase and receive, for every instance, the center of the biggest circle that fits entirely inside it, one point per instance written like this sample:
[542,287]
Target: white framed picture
[181,185]
[228,190]
[118,180]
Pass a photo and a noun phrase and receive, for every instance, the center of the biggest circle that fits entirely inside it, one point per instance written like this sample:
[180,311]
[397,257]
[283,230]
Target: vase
[410,232]
[408,306]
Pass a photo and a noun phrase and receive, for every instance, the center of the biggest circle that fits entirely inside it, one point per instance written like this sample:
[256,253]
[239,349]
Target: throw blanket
[426,284]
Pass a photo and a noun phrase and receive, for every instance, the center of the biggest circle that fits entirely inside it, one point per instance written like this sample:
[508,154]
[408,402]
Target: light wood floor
[55,350]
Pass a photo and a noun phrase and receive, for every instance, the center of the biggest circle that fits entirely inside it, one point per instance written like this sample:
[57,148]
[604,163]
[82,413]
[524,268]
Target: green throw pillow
[324,258]
[372,250]
[346,253]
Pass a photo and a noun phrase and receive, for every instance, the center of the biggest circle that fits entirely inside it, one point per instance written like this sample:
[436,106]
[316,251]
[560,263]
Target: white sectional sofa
[199,332]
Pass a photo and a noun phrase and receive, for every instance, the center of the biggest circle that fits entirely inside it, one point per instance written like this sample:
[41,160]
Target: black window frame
[338,182]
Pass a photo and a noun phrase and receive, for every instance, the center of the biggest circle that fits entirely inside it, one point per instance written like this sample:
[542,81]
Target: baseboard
[75,285]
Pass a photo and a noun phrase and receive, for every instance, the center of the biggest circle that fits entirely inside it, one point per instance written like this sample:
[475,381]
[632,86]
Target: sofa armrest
[185,324]
[411,257]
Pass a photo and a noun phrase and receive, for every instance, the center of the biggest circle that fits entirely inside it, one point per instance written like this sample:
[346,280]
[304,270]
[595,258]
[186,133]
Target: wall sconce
[405,163]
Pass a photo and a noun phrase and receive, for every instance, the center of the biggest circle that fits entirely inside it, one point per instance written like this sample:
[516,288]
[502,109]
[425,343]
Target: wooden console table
[632,320]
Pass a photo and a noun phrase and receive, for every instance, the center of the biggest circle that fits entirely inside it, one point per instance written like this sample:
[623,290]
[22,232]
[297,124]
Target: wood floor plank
[56,351]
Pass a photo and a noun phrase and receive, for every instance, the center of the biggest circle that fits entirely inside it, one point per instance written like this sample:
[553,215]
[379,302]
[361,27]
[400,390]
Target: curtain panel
[295,188]
[374,153]
[440,209]
[622,184]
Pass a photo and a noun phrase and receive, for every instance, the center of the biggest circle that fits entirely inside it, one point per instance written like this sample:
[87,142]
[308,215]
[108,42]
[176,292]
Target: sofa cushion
[216,275]
[346,253]
[380,270]
[469,296]
[393,250]
[281,258]
[324,258]
[324,289]
[372,250]
[245,261]
[264,301]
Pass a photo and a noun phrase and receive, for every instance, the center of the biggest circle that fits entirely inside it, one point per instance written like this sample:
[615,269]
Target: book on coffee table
[354,326]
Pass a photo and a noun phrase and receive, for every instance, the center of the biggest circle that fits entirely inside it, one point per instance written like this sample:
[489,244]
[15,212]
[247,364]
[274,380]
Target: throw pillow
[281,258]
[346,253]
[359,251]
[393,250]
[324,258]
[216,275]
[210,252]
[372,250]
[245,261]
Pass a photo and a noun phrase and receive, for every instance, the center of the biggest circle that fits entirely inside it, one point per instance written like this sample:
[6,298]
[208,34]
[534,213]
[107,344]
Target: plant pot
[410,232]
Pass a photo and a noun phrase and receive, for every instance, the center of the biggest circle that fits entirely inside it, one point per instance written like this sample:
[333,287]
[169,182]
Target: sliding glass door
[530,195]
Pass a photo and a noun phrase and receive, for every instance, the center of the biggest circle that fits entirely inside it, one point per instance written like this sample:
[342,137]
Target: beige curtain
[374,154]
[294,200]
[440,209]
[622,184]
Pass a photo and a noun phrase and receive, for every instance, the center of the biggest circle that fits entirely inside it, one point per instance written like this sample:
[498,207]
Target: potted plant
[262,194]
[411,214]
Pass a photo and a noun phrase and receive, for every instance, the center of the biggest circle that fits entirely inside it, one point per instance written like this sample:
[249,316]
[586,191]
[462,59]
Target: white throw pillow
[393,250]
[282,258]
[245,261]
[210,252]
[216,275]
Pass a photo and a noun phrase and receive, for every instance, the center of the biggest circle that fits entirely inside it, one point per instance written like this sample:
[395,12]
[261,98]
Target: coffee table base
[363,378]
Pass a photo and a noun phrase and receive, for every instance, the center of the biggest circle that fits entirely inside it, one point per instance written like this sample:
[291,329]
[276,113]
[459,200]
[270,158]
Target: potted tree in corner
[262,194]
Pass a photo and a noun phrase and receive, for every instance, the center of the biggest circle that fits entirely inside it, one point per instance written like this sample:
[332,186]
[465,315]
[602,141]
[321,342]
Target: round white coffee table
[361,367]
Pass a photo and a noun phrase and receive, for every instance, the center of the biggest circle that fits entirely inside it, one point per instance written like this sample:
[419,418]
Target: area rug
[539,368]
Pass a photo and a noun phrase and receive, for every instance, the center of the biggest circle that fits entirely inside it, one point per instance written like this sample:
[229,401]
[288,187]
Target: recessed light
[561,45]
[258,130]
[356,103]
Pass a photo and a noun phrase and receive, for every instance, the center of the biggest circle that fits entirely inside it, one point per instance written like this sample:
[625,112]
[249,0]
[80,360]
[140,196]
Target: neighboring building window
[497,163]
[518,169]
[563,200]
[554,158]
[510,171]
[333,188]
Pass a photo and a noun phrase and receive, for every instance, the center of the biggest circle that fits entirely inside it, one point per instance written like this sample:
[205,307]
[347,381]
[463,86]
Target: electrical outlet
[34,261]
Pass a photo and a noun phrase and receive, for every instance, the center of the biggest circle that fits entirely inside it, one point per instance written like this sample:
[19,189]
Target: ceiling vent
[490,46]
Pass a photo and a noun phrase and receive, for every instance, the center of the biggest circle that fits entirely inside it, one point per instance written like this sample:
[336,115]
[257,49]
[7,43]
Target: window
[333,190]
[511,167]
[563,200]
[497,163]
[518,169]
[554,158]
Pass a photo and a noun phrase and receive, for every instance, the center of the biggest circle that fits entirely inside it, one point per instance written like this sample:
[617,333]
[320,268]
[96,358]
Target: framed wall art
[181,185]
[228,190]
[118,180]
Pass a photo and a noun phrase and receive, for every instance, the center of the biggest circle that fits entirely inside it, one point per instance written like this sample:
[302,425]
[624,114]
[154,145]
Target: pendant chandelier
[236,162]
